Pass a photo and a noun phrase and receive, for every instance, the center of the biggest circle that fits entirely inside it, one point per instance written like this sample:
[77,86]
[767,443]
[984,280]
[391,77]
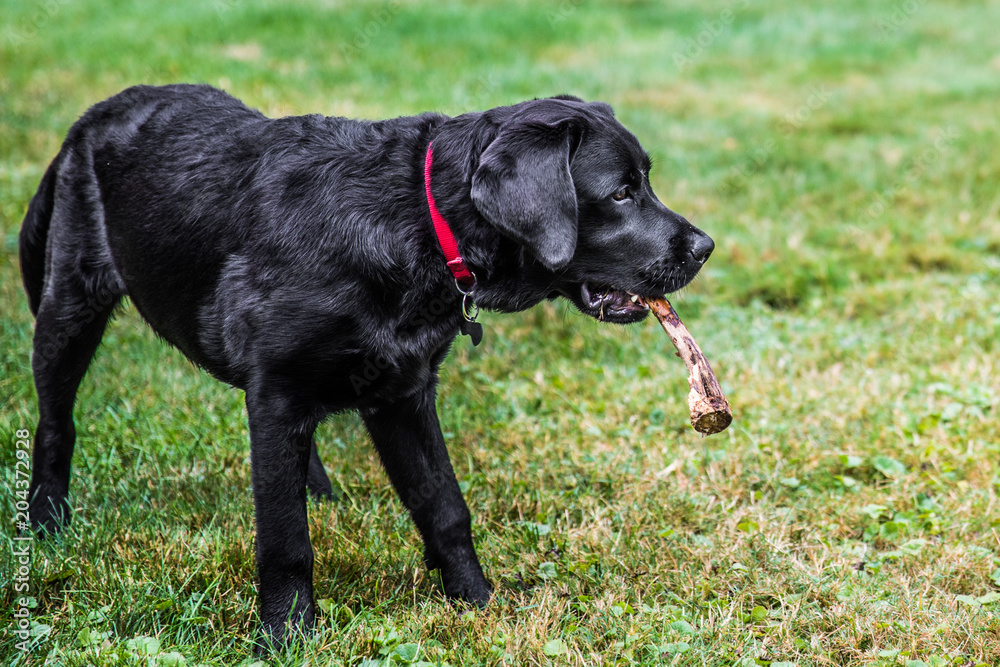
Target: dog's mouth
[607,304]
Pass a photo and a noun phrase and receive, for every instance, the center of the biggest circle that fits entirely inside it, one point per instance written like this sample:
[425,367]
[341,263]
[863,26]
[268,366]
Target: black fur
[294,258]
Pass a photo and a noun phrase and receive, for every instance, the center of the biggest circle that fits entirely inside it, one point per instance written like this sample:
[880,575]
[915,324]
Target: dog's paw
[468,586]
[318,484]
[276,636]
[48,514]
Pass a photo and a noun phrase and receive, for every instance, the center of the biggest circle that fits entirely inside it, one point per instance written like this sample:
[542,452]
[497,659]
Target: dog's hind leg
[81,290]
[317,480]
[67,332]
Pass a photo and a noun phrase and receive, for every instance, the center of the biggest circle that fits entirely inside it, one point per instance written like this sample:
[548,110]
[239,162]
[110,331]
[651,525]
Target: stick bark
[710,411]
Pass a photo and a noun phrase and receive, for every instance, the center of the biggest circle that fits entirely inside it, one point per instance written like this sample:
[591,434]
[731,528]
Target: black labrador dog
[298,259]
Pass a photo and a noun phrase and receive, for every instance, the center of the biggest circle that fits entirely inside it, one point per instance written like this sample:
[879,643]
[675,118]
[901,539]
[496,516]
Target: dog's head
[565,180]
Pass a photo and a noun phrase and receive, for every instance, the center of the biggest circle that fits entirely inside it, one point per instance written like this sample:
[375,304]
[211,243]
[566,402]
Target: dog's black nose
[701,247]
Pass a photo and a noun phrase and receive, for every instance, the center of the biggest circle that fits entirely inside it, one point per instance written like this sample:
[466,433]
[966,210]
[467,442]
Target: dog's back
[101,183]
[115,122]
[164,194]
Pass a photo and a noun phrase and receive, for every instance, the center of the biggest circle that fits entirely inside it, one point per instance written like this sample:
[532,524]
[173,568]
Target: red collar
[465,279]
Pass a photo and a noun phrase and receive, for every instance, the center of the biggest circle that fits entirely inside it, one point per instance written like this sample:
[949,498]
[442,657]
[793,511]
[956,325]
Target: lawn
[846,159]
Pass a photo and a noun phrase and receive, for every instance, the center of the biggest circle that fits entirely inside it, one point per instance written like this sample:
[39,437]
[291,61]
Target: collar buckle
[470,311]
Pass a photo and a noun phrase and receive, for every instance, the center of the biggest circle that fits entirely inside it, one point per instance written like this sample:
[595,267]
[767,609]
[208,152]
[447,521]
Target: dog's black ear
[523,186]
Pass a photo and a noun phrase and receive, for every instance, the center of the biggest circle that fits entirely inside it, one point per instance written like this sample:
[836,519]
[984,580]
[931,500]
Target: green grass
[844,157]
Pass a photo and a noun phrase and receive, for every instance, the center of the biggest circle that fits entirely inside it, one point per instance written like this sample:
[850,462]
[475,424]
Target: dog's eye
[623,194]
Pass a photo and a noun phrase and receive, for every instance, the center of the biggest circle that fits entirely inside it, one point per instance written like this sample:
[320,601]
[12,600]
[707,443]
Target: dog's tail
[34,237]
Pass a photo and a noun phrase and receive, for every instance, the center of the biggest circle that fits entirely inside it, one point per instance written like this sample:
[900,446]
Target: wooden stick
[710,412]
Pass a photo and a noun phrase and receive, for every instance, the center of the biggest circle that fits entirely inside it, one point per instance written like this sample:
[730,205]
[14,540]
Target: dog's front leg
[408,438]
[280,445]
